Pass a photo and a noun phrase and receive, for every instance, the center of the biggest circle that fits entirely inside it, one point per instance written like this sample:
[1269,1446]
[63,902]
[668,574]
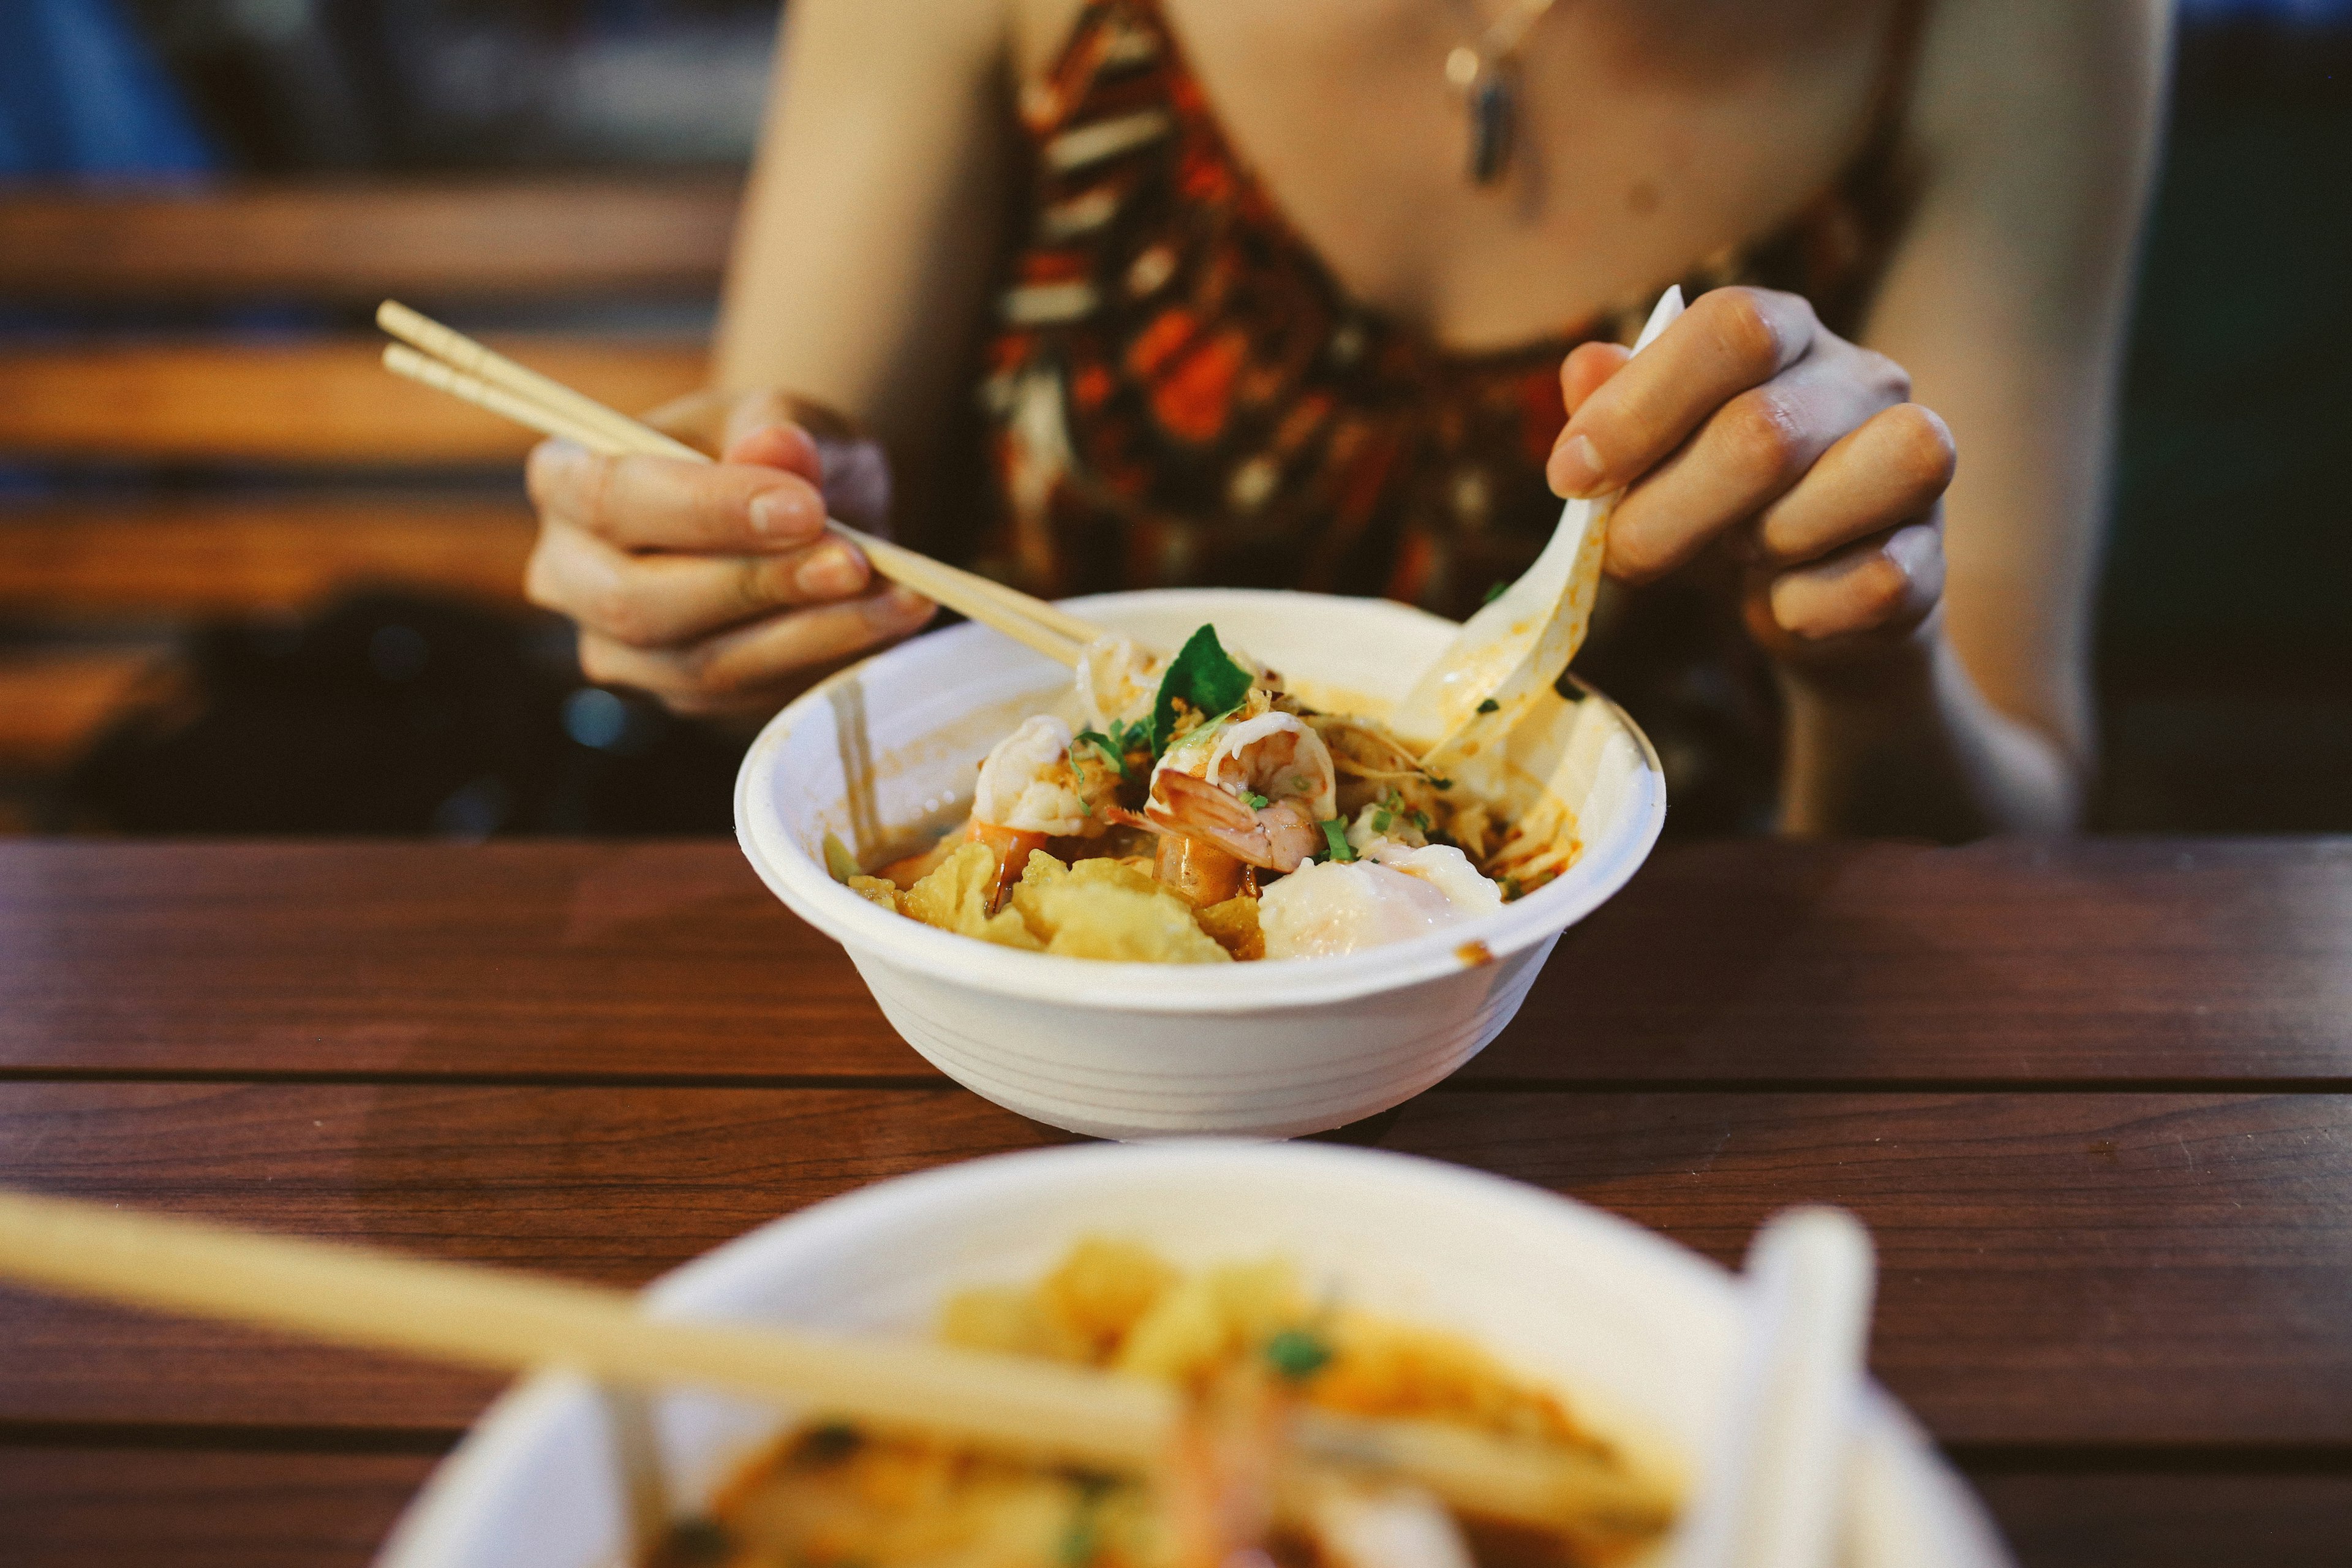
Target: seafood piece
[1028,793]
[1027,785]
[1447,869]
[1338,907]
[1116,681]
[1205,873]
[1258,787]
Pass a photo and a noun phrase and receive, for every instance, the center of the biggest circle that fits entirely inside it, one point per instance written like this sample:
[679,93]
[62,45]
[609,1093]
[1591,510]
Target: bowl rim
[866,930]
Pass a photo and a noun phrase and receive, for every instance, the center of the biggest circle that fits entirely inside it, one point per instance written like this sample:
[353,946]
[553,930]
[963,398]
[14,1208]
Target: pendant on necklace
[1492,109]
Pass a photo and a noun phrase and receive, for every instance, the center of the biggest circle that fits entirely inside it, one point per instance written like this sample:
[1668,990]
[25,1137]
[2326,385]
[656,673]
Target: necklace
[1485,73]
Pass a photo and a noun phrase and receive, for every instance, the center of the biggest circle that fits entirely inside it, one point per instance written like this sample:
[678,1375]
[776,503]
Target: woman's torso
[1262,328]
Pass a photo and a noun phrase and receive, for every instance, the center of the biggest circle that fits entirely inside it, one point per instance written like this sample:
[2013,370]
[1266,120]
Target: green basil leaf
[1205,677]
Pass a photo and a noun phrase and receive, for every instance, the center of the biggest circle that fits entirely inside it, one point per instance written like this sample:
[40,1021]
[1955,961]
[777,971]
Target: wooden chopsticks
[506,1320]
[447,361]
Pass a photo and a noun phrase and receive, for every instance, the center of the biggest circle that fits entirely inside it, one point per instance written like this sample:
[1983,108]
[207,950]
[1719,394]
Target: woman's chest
[1646,136]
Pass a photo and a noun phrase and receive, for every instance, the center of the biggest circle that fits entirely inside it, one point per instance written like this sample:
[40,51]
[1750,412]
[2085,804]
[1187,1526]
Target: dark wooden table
[2095,1098]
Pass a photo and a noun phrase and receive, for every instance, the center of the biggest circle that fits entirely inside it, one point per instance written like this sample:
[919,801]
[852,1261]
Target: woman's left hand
[1749,422]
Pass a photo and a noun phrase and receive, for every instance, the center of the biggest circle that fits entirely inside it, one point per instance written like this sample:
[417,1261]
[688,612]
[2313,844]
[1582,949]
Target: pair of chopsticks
[447,361]
[509,1321]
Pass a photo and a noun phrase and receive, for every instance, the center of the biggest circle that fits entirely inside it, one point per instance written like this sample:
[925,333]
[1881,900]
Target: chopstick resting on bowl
[509,1321]
[448,361]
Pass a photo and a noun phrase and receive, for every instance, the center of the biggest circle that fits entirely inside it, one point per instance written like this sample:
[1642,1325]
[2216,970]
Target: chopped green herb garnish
[1441,783]
[1381,820]
[1297,1353]
[1490,706]
[1204,675]
[1495,590]
[1510,888]
[1420,820]
[1254,800]
[1335,836]
[1109,747]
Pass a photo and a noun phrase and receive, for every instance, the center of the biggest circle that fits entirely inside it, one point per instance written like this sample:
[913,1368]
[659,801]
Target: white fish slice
[1518,646]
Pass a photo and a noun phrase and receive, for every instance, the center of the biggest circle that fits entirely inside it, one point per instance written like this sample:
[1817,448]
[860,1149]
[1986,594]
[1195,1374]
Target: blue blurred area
[81,94]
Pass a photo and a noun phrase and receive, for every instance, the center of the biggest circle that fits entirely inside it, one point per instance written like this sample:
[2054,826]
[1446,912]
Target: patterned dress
[1179,392]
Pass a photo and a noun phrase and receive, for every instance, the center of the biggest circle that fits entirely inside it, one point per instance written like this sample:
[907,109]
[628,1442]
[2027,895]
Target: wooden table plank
[2103,962]
[2088,960]
[2179,1518]
[79,1507]
[406,960]
[2145,1272]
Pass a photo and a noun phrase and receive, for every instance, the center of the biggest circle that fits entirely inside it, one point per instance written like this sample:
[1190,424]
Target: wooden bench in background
[251,466]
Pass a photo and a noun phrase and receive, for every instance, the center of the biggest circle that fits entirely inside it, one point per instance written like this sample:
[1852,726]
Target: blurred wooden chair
[150,477]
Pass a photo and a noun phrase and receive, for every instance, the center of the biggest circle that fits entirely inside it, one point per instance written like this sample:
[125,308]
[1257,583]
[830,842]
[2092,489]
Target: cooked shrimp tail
[1279,836]
[1205,873]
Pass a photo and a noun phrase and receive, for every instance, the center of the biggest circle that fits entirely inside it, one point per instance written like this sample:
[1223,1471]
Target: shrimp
[1205,873]
[1259,788]
[1028,793]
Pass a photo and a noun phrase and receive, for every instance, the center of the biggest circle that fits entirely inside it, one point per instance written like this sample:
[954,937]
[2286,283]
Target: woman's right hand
[715,586]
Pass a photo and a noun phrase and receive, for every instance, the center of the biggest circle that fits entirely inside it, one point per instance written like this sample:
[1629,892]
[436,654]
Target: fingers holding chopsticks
[754,668]
[644,502]
[715,586]
[664,598]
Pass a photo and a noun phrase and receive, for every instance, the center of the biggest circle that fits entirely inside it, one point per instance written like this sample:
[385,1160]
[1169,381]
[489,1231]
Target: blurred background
[248,583]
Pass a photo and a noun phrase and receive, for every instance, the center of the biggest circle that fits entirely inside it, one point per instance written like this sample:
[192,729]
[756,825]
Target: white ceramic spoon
[1513,650]
[1774,1496]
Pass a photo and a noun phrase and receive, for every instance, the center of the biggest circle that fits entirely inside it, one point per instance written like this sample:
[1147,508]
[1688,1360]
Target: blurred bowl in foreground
[1638,1334]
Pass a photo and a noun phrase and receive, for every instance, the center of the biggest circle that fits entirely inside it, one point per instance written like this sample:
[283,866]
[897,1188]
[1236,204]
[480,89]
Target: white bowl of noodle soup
[1636,1333]
[1268,1048]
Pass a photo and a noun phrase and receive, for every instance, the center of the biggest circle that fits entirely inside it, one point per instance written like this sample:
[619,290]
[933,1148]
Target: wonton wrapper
[955,898]
[1233,925]
[1105,909]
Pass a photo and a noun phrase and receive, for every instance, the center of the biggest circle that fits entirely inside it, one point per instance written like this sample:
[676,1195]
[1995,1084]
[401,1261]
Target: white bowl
[1637,1333]
[1137,1050]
